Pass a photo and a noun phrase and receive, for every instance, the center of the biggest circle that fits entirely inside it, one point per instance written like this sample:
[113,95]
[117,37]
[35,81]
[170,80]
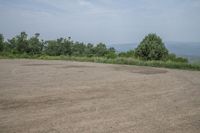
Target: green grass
[118,60]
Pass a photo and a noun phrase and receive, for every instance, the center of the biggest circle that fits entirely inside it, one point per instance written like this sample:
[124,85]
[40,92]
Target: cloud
[85,3]
[102,20]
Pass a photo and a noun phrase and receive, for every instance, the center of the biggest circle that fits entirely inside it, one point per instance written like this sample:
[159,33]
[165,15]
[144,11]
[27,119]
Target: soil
[40,96]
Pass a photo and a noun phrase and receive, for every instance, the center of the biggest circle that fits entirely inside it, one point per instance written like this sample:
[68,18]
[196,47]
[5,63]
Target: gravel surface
[39,96]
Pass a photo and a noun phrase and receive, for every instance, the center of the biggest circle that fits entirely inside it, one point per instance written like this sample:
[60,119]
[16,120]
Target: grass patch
[118,60]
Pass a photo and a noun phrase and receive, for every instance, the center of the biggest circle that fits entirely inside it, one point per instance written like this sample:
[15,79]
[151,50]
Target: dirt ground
[72,97]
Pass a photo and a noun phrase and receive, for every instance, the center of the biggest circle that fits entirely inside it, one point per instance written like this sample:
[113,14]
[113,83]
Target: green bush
[130,53]
[172,57]
[111,55]
[151,48]
[1,42]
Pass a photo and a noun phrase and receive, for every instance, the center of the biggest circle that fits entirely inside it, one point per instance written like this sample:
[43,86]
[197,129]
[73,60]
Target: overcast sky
[109,21]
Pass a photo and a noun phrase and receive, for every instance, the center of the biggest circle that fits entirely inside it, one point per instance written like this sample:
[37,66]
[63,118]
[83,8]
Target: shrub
[111,55]
[130,53]
[151,48]
[1,42]
[172,57]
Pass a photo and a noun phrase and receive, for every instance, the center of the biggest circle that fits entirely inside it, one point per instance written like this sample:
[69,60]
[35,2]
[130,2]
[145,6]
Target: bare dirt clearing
[61,96]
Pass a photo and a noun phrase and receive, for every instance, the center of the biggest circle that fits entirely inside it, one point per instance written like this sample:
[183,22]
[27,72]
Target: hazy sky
[109,21]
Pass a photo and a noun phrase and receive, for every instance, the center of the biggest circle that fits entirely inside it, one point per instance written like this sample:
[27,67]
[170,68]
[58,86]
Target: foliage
[89,50]
[35,46]
[111,53]
[151,48]
[78,49]
[52,48]
[1,42]
[172,57]
[130,53]
[21,44]
[100,50]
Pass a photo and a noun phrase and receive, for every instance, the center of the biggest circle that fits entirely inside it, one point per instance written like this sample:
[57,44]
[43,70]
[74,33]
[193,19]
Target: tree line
[150,48]
[21,44]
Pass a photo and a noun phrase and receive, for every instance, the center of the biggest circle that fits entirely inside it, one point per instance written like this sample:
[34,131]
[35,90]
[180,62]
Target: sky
[108,21]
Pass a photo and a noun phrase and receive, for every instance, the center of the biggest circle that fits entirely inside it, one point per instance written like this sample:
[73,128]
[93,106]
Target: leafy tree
[22,42]
[151,48]
[61,47]
[100,50]
[78,49]
[89,50]
[11,45]
[111,53]
[111,49]
[35,46]
[1,43]
[66,47]
[52,48]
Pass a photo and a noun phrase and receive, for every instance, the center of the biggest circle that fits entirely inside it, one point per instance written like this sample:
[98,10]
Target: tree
[151,48]
[11,45]
[1,42]
[22,42]
[78,49]
[52,48]
[111,49]
[35,46]
[111,53]
[66,46]
[100,49]
[89,50]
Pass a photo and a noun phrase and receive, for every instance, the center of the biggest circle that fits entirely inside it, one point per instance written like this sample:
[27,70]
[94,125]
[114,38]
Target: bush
[151,48]
[130,53]
[172,57]
[1,42]
[111,55]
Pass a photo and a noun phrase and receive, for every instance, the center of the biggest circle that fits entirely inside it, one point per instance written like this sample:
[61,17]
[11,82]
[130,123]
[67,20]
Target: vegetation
[130,53]
[150,52]
[21,44]
[152,48]
[1,43]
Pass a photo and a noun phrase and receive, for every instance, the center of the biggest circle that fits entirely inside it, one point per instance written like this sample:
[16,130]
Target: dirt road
[72,97]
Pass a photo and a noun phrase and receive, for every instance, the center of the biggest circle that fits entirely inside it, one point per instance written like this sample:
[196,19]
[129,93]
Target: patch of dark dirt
[77,66]
[40,64]
[7,104]
[141,70]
